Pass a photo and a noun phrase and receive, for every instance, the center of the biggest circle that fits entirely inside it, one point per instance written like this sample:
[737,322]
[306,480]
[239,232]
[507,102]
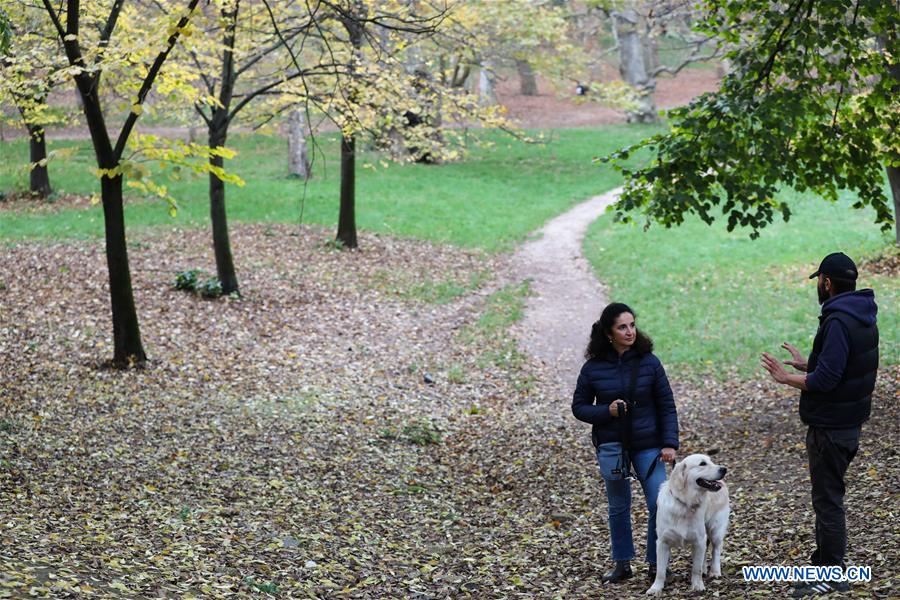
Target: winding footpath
[565,297]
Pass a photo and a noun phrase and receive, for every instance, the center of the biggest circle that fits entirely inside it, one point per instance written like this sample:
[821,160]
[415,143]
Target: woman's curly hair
[600,345]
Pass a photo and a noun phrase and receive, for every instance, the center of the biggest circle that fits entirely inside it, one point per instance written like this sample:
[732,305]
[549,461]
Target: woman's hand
[668,455]
[617,408]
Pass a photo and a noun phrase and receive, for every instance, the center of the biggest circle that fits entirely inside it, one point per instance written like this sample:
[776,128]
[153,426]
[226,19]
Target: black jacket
[654,421]
[848,339]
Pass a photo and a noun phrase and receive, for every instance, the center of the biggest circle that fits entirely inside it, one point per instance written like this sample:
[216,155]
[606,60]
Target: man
[835,400]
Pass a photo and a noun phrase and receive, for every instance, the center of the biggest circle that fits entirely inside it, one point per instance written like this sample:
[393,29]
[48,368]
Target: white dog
[692,508]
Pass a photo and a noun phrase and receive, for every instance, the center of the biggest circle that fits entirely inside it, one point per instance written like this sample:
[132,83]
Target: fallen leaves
[287,444]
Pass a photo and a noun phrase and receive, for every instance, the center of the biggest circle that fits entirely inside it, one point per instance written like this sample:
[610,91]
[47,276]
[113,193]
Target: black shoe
[820,588]
[651,574]
[621,572]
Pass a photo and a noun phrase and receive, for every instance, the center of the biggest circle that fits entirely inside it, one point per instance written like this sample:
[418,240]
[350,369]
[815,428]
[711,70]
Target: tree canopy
[811,102]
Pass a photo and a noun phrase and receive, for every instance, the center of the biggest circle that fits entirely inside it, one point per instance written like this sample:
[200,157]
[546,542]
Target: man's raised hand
[797,361]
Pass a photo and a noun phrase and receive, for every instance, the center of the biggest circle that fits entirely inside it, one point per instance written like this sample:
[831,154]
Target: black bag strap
[630,402]
[625,420]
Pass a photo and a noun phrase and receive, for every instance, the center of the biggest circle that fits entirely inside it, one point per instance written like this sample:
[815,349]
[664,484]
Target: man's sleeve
[832,360]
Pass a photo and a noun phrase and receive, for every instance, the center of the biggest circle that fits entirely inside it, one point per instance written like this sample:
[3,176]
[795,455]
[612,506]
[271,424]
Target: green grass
[713,301]
[492,200]
[410,285]
[491,331]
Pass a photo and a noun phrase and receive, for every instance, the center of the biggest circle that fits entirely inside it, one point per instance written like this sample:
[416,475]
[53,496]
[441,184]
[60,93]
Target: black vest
[850,403]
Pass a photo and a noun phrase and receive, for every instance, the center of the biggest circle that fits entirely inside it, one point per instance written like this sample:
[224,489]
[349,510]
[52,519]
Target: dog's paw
[697,585]
[655,590]
[714,572]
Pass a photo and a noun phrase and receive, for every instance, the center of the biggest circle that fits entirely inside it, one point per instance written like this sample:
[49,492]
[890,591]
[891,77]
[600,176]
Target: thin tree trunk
[527,82]
[221,242]
[218,133]
[126,332]
[298,155]
[40,177]
[346,233]
[894,179]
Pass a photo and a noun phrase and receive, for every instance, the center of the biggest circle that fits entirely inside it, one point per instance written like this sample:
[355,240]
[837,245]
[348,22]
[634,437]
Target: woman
[623,392]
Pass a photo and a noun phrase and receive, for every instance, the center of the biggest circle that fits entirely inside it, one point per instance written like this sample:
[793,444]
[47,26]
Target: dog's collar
[687,506]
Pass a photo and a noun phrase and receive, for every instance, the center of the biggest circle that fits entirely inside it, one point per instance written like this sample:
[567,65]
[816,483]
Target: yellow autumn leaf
[118,585]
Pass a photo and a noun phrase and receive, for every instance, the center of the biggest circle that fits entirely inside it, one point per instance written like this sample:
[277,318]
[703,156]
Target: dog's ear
[679,478]
[684,476]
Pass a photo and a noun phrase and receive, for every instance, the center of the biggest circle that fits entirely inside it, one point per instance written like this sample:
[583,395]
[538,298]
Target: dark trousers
[830,452]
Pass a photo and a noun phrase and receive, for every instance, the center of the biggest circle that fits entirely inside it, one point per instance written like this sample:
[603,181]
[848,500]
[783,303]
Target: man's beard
[823,293]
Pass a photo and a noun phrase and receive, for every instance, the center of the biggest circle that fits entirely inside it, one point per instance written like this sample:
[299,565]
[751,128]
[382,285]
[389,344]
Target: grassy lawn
[492,200]
[714,300]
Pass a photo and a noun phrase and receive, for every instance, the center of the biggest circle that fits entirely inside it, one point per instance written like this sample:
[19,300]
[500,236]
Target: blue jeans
[618,494]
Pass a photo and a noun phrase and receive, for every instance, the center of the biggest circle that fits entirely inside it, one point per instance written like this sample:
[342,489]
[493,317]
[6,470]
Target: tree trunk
[650,47]
[128,350]
[218,133]
[633,59]
[894,179]
[126,332]
[346,233]
[40,177]
[487,85]
[723,68]
[527,82]
[298,155]
[221,242]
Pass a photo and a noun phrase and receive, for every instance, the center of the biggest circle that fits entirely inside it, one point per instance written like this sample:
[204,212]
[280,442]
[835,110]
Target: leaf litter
[287,443]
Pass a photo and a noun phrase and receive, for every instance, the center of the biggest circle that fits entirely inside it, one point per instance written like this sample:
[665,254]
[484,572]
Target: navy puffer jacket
[654,422]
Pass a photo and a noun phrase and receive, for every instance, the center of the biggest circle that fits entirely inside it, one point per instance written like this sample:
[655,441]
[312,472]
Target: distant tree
[30,61]
[812,101]
[451,74]
[371,86]
[533,37]
[247,56]
[638,28]
[299,164]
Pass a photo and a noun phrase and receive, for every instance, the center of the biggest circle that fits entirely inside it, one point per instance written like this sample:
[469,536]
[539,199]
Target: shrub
[190,281]
[211,288]
[187,280]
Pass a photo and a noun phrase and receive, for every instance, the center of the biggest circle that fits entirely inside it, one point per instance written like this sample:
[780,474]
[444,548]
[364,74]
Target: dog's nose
[722,471]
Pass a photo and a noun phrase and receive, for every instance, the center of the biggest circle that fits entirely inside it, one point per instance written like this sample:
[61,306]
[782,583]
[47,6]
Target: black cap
[837,265]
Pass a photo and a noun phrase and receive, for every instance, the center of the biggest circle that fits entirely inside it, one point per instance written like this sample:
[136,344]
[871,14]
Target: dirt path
[566,297]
